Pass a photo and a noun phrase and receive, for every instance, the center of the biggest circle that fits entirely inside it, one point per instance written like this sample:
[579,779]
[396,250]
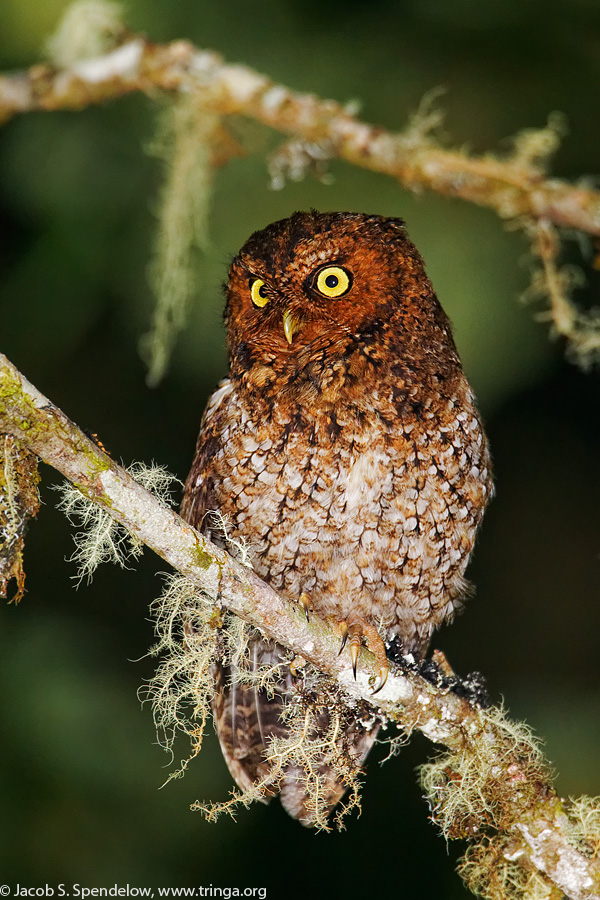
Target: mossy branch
[492,786]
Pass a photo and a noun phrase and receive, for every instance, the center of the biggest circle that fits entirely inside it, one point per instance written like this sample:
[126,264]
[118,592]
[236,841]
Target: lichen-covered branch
[492,786]
[513,186]
[556,282]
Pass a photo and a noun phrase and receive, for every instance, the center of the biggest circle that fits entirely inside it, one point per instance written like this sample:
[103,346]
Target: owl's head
[320,285]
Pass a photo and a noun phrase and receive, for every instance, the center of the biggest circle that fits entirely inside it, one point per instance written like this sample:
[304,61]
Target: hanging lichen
[101,538]
[87,29]
[186,135]
[19,502]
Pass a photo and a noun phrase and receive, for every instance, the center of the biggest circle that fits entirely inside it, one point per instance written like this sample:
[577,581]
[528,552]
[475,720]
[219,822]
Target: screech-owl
[345,447]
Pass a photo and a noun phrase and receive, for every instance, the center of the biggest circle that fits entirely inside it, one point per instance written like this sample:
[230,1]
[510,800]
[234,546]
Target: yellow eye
[258,293]
[333,281]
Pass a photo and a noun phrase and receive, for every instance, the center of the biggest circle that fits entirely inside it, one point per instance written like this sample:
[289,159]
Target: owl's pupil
[262,292]
[332,281]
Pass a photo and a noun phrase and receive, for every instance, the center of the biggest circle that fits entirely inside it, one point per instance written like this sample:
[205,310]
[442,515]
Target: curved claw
[359,631]
[381,678]
[355,632]
[354,650]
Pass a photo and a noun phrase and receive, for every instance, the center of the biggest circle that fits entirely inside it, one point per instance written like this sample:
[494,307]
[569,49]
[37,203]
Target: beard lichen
[88,28]
[493,870]
[188,139]
[239,654]
[102,538]
[319,743]
[222,533]
[584,819]
[181,690]
[19,501]
[318,750]
[503,768]
[479,793]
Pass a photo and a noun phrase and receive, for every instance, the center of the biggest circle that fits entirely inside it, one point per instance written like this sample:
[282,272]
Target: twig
[513,187]
[537,832]
[581,329]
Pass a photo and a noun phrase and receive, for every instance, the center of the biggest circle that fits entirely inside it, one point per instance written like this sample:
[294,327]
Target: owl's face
[317,284]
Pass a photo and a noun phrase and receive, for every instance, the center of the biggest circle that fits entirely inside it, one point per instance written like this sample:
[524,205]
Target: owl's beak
[291,325]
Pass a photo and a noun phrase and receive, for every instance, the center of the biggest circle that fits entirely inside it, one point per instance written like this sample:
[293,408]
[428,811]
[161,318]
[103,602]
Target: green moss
[9,385]
[16,399]
[202,559]
[96,465]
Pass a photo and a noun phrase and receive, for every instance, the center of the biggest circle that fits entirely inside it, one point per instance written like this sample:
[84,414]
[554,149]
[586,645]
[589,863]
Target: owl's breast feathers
[352,481]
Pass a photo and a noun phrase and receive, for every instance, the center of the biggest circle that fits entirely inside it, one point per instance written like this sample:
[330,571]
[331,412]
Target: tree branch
[513,187]
[518,814]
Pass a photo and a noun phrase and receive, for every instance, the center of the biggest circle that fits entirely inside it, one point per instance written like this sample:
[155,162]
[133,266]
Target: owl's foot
[355,631]
[304,602]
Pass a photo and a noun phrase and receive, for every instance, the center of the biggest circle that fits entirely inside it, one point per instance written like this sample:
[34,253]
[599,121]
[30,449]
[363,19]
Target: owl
[346,449]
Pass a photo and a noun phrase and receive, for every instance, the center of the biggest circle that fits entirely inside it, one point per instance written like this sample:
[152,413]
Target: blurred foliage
[79,771]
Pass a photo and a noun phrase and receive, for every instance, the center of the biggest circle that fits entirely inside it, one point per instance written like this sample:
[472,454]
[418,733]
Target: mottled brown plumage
[345,447]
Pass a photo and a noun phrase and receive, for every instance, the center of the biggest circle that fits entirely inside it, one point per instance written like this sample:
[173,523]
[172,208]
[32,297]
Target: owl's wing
[245,717]
[198,493]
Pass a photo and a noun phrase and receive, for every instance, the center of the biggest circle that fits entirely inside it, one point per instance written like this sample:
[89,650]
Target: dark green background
[79,768]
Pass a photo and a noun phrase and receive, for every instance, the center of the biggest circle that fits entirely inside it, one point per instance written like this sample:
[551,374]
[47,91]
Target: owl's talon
[381,678]
[359,632]
[304,602]
[344,631]
[354,650]
[355,633]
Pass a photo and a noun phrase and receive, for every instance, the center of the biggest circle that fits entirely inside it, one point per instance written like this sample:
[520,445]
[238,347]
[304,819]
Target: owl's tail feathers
[310,762]
[310,797]
[245,717]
